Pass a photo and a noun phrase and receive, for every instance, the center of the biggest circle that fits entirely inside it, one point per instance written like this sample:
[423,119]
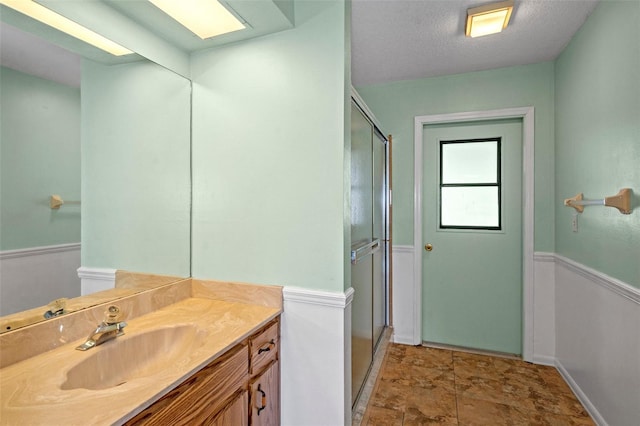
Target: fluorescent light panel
[204,18]
[59,22]
[488,19]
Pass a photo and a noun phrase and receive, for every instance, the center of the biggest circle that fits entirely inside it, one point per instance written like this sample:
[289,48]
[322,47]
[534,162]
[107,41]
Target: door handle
[428,247]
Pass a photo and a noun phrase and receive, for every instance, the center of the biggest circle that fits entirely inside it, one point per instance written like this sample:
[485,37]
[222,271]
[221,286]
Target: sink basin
[131,357]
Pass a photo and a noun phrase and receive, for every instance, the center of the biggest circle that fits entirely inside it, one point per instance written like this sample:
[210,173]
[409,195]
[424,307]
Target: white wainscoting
[36,276]
[316,357]
[544,314]
[404,314]
[96,279]
[598,341]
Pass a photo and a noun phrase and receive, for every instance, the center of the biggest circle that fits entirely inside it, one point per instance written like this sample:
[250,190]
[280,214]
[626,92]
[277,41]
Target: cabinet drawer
[201,397]
[264,347]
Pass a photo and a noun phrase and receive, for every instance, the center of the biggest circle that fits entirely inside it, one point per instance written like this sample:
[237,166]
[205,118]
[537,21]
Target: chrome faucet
[110,328]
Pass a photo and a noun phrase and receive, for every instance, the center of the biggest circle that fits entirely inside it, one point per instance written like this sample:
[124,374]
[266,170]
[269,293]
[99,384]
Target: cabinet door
[202,396]
[265,397]
[236,414]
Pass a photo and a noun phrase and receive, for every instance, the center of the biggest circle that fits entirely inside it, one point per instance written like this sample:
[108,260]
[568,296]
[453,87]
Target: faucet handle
[57,307]
[113,315]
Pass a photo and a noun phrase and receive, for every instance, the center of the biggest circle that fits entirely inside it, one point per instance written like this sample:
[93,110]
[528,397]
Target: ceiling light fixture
[59,22]
[488,19]
[204,18]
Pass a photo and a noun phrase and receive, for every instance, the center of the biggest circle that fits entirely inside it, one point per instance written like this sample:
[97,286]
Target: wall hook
[621,201]
[55,201]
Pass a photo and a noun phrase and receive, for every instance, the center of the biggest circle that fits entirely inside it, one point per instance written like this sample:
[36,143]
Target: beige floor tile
[419,386]
[430,402]
[420,356]
[562,420]
[416,416]
[379,416]
[495,390]
[423,377]
[472,412]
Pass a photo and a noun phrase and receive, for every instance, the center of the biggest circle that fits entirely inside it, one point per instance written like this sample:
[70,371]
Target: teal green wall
[268,155]
[40,156]
[598,139]
[396,104]
[135,168]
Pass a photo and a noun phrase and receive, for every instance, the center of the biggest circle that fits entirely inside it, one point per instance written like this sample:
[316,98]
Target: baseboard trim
[544,360]
[582,397]
[617,286]
[38,251]
[318,297]
[402,339]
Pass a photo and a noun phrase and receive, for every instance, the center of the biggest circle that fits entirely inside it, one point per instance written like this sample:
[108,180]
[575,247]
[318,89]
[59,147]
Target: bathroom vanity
[193,352]
[238,388]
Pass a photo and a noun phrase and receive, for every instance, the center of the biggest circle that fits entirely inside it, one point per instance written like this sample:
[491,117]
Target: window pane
[470,206]
[470,162]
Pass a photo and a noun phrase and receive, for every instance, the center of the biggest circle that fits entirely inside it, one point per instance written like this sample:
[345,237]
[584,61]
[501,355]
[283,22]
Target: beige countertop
[30,390]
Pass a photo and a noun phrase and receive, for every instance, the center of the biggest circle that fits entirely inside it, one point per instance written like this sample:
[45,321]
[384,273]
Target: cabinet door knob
[428,247]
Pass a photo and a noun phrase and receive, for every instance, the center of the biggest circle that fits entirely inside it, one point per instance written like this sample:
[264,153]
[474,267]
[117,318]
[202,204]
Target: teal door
[472,231]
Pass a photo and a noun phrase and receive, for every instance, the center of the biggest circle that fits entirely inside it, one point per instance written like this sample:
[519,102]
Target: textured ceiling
[409,39]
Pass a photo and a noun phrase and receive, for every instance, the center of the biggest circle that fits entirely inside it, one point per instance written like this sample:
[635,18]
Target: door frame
[528,140]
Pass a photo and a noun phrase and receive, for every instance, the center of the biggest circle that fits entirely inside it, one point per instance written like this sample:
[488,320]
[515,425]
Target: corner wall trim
[318,297]
[541,256]
[403,249]
[37,251]
[619,287]
[96,279]
[582,397]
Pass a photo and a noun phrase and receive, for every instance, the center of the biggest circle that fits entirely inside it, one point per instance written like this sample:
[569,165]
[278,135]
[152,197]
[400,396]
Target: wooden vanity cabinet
[241,387]
[264,387]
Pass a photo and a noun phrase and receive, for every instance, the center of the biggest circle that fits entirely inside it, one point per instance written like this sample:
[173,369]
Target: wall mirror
[110,136]
[117,142]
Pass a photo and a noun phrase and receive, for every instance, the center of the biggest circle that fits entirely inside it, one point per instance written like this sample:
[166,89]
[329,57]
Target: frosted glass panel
[470,206]
[470,162]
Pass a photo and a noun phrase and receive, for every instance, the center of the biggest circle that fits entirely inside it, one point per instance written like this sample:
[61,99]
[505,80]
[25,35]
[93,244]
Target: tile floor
[418,385]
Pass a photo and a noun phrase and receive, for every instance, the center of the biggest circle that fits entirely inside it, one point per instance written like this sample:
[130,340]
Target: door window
[470,186]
